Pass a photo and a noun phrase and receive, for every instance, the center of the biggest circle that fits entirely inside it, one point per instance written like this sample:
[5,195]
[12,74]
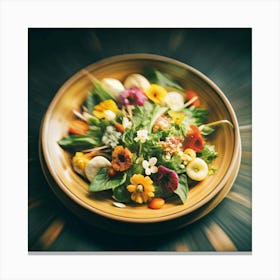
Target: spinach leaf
[183,188]
[162,192]
[78,142]
[162,79]
[102,181]
[121,194]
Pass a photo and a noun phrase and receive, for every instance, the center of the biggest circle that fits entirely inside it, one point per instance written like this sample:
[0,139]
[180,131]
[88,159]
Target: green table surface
[54,55]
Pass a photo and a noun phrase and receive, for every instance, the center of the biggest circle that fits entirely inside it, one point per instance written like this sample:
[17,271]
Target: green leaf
[102,181]
[162,79]
[78,142]
[199,115]
[101,92]
[121,194]
[208,153]
[183,188]
[162,192]
[91,101]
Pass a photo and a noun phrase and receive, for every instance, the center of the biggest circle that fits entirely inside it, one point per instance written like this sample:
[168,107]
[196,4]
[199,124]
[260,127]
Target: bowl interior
[73,93]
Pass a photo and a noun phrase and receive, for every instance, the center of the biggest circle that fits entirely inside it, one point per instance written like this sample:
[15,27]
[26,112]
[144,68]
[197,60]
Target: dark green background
[54,55]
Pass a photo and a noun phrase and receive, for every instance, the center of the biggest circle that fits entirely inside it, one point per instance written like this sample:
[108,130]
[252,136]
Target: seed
[156,203]
[119,205]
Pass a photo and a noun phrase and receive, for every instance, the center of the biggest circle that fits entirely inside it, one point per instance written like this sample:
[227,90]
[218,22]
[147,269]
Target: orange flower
[122,158]
[100,110]
[156,93]
[142,188]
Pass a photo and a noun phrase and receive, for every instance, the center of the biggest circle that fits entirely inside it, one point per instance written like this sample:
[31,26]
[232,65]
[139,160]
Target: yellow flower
[156,93]
[142,188]
[80,161]
[103,107]
[176,117]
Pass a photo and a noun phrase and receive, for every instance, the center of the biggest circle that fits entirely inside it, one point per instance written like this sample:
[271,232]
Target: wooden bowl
[72,94]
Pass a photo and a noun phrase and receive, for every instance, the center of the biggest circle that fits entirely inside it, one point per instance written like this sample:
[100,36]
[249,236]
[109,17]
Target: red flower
[167,178]
[193,139]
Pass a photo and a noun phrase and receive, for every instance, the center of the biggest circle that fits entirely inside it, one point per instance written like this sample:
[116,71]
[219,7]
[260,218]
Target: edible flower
[142,136]
[132,96]
[79,162]
[111,136]
[149,166]
[121,158]
[162,123]
[175,101]
[100,110]
[141,188]
[109,115]
[187,156]
[167,178]
[156,93]
[177,117]
[126,123]
[194,139]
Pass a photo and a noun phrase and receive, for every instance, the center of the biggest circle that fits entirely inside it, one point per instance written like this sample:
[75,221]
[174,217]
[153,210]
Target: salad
[143,139]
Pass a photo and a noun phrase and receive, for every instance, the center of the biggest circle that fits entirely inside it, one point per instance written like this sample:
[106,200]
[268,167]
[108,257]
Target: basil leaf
[102,181]
[78,142]
[183,188]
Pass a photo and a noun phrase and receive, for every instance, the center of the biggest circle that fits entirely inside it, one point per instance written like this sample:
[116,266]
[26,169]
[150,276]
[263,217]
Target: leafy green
[175,163]
[162,79]
[102,181]
[182,189]
[121,194]
[208,153]
[101,92]
[78,142]
[91,101]
[200,115]
[162,192]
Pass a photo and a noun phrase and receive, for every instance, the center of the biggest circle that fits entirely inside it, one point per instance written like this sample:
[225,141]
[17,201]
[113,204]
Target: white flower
[113,86]
[109,115]
[174,100]
[126,123]
[142,136]
[149,166]
[136,80]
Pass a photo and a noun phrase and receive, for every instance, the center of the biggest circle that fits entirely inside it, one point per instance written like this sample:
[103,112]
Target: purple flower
[132,96]
[167,178]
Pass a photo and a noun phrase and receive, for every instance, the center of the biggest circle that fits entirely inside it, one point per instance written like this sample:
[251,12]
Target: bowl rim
[154,57]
